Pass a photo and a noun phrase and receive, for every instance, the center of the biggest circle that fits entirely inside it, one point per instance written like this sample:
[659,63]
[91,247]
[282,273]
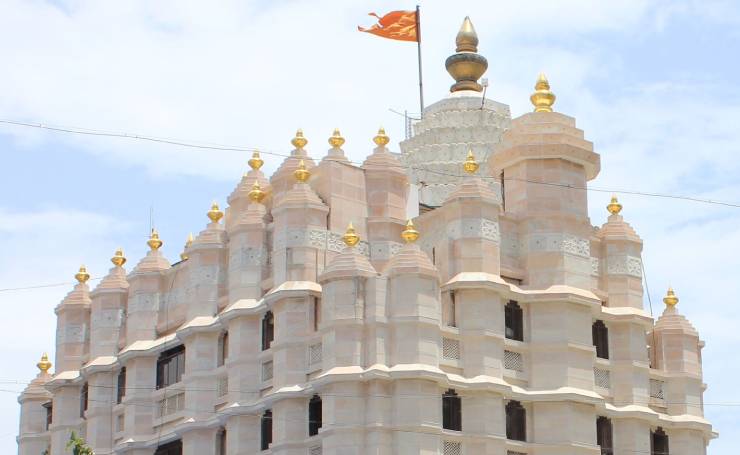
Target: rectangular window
[659,442]
[221,442]
[268,330]
[600,335]
[514,321]
[223,349]
[49,414]
[170,367]
[516,421]
[266,430]
[121,385]
[451,411]
[314,415]
[171,448]
[83,400]
[604,435]
[316,313]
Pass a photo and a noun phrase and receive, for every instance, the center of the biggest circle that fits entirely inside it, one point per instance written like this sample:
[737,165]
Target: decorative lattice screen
[267,370]
[450,349]
[656,389]
[314,354]
[602,378]
[452,448]
[513,361]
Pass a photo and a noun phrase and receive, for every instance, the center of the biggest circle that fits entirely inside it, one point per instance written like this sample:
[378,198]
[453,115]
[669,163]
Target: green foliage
[78,445]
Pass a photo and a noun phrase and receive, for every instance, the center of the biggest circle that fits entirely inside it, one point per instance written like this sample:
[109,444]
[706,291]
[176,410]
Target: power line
[183,143]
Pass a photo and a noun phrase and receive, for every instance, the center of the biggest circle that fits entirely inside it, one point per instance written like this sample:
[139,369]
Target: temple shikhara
[449,298]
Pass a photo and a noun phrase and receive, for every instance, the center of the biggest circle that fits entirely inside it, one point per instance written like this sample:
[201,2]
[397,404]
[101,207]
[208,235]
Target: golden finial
[255,162]
[188,243]
[82,276]
[215,214]
[466,66]
[154,242]
[410,234]
[299,141]
[350,237]
[118,258]
[470,165]
[614,206]
[670,298]
[542,98]
[301,174]
[336,140]
[467,39]
[256,194]
[381,139]
[44,365]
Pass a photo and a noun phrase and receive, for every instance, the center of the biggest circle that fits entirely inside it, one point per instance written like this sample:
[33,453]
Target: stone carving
[490,231]
[576,245]
[624,265]
[595,266]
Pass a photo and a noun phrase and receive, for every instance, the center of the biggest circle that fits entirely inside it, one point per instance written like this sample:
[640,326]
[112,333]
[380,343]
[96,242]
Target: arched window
[121,385]
[451,411]
[266,430]
[514,320]
[604,435]
[83,400]
[658,442]
[223,348]
[314,415]
[601,339]
[516,421]
[268,330]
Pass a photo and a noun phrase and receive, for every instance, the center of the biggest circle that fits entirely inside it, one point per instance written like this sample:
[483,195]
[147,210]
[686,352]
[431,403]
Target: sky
[652,83]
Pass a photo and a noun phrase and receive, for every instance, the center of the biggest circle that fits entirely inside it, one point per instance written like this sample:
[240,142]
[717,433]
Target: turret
[677,351]
[387,190]
[621,251]
[145,292]
[239,199]
[248,249]
[73,325]
[206,261]
[341,185]
[107,308]
[297,215]
[36,413]
[544,164]
[283,179]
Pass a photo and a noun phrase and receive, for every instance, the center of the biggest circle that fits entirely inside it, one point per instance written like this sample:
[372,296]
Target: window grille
[170,405]
[602,378]
[314,354]
[316,450]
[222,386]
[656,389]
[452,448]
[513,361]
[450,349]
[267,370]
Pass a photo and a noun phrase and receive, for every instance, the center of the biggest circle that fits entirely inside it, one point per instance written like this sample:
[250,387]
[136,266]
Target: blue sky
[652,83]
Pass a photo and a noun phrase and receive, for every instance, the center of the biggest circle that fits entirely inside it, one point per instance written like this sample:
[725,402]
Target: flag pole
[418,50]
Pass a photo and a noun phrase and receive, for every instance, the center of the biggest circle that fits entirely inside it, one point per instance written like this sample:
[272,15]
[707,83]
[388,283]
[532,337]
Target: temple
[324,313]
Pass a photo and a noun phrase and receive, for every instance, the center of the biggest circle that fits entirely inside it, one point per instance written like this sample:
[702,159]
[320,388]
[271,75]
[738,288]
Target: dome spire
[256,162]
[82,276]
[154,242]
[670,298]
[410,234]
[44,365]
[215,214]
[188,243]
[350,237]
[336,140]
[381,139]
[301,174]
[614,206]
[299,141]
[466,66]
[256,194]
[543,98]
[470,166]
[118,258]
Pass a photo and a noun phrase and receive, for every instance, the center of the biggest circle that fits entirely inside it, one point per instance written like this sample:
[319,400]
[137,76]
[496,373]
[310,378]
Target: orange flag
[398,25]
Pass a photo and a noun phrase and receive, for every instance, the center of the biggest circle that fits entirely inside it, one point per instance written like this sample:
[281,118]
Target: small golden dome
[154,242]
[336,140]
[670,298]
[301,174]
[299,141]
[381,139]
[44,365]
[118,258]
[188,243]
[350,237]
[215,214]
[614,206]
[542,98]
[466,39]
[256,162]
[470,165]
[256,194]
[410,234]
[82,276]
